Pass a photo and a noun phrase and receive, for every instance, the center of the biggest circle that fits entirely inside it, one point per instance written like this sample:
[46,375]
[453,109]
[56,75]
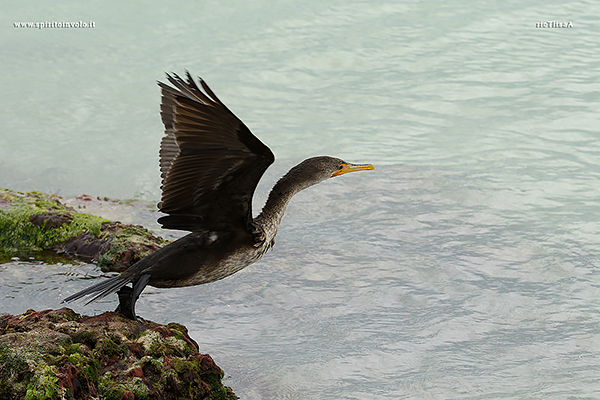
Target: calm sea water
[466,266]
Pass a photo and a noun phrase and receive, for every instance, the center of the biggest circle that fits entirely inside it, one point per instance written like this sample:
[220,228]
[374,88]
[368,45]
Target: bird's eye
[341,166]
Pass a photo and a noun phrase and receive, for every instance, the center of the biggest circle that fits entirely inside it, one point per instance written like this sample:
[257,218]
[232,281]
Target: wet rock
[33,223]
[50,220]
[117,247]
[86,246]
[126,245]
[59,354]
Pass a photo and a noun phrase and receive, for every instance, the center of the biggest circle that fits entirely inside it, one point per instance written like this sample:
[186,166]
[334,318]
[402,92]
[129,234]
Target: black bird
[210,165]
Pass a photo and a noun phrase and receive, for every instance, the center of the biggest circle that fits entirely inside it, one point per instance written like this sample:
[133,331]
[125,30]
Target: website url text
[54,24]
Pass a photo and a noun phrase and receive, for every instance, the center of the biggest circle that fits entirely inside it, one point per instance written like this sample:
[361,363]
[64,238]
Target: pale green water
[465,266]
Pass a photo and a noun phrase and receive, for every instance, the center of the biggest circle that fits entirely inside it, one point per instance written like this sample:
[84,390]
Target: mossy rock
[34,221]
[38,225]
[127,245]
[58,354]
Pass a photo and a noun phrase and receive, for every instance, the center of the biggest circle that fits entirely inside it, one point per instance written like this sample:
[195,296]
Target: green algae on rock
[117,247]
[58,354]
[33,223]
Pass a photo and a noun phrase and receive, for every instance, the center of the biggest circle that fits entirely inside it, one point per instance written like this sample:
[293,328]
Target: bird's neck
[281,194]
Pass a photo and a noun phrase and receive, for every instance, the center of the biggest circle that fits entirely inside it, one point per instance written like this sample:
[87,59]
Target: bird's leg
[126,306]
[129,295]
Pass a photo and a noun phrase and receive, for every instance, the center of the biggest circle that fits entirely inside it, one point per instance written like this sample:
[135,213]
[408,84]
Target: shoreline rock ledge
[59,354]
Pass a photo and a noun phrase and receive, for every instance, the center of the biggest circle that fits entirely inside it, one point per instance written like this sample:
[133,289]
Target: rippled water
[465,266]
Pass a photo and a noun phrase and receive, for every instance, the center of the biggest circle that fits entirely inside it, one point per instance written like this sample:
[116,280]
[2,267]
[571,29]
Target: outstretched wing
[210,162]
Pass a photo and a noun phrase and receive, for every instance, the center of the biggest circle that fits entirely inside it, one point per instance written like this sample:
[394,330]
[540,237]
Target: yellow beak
[347,167]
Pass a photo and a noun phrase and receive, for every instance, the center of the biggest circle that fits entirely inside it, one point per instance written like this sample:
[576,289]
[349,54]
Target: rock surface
[59,354]
[40,225]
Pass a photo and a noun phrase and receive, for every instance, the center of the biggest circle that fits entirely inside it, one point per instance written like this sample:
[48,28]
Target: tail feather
[102,289]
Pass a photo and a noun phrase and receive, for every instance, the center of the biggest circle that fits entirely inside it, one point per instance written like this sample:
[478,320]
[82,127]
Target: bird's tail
[102,289]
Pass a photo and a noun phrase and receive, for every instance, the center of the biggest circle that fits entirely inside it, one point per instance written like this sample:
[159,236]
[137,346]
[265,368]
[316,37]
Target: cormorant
[210,165]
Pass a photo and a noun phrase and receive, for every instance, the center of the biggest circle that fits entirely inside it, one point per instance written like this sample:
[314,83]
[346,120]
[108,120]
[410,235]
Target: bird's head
[317,169]
[308,173]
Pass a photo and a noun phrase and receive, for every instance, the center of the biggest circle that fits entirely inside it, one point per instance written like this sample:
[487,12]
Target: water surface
[464,267]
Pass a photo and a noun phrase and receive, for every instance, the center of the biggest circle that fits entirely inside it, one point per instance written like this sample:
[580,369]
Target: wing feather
[210,162]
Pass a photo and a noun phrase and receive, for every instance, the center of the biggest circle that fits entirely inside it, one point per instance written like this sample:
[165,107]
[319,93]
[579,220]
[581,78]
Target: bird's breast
[210,269]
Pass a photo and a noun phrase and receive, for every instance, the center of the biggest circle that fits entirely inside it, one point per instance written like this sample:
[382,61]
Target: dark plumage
[210,164]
